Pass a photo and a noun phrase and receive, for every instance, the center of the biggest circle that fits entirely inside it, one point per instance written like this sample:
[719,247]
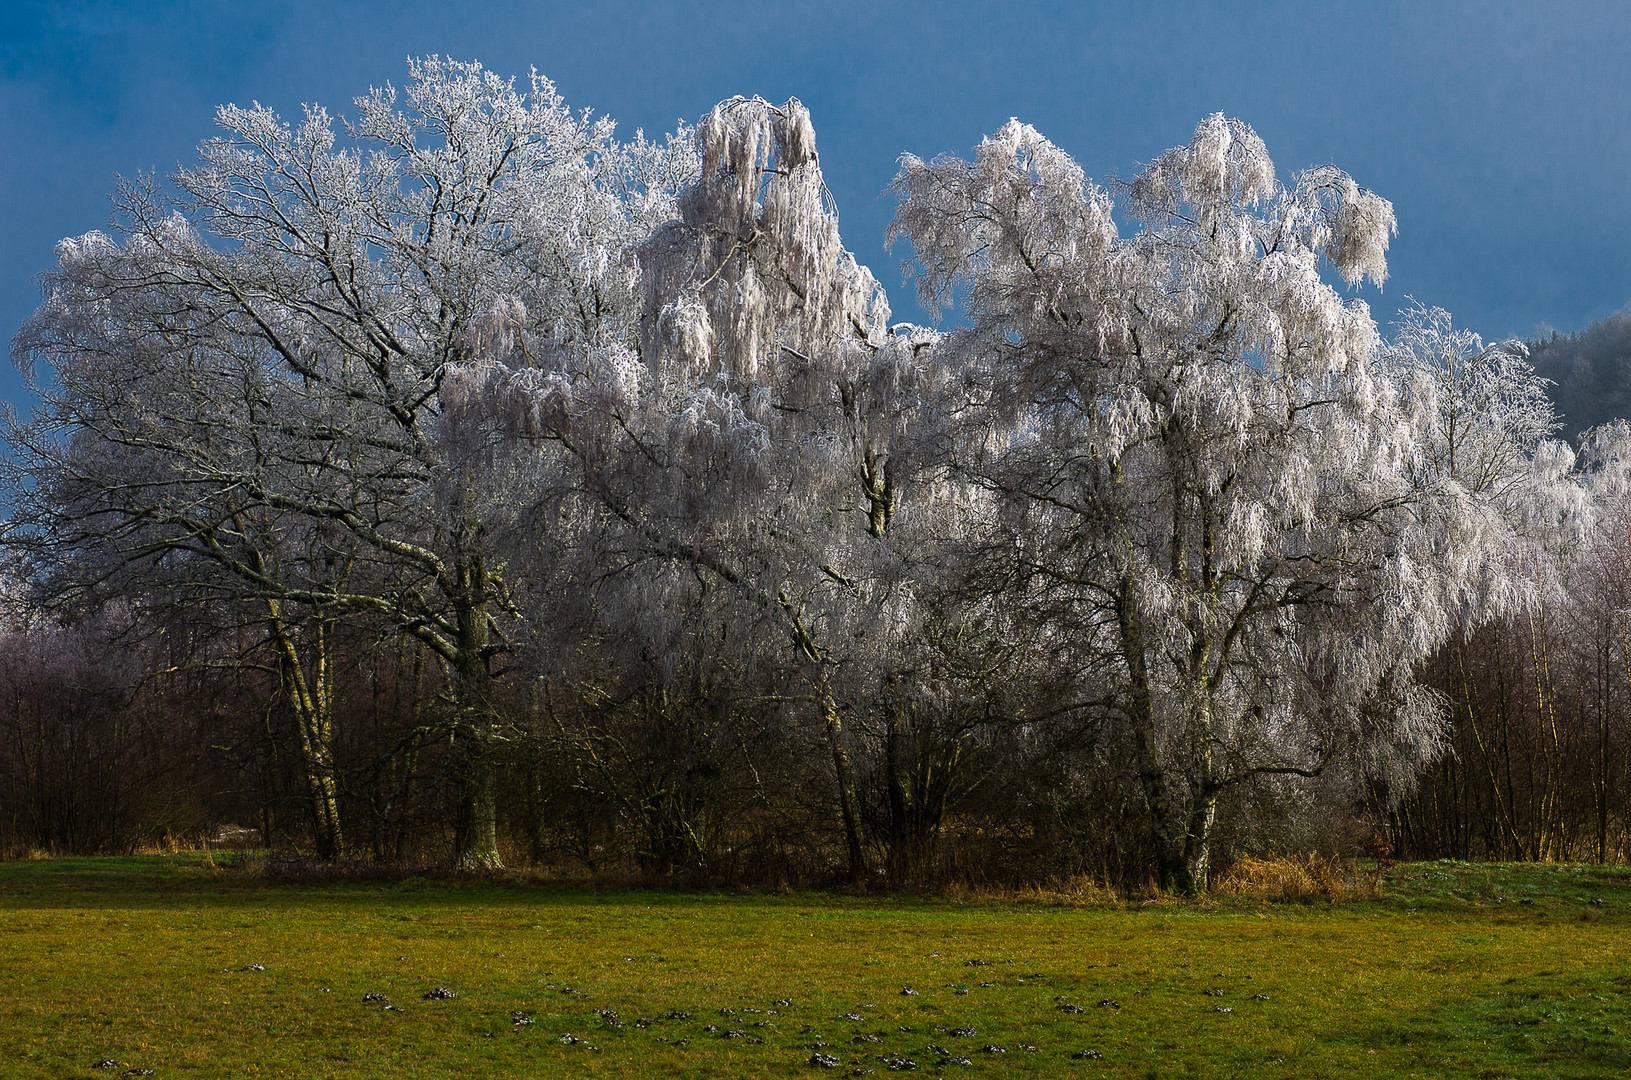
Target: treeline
[1589,371]
[475,487]
[114,742]
[111,743]
[1539,762]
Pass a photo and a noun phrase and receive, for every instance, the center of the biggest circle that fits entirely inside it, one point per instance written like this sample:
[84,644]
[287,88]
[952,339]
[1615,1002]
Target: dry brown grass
[1285,878]
[1076,891]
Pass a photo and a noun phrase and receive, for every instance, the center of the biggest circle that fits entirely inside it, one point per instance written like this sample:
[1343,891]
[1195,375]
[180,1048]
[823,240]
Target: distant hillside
[1590,370]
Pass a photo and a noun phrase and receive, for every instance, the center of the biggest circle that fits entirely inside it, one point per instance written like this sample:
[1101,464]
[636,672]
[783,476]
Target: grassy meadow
[171,964]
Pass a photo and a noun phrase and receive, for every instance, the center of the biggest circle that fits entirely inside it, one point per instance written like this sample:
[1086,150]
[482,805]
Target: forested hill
[1590,372]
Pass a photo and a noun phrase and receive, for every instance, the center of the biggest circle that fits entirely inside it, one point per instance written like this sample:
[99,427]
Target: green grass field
[167,964]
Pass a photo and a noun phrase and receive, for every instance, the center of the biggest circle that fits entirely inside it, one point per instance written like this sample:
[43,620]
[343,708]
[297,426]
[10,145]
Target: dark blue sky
[1500,130]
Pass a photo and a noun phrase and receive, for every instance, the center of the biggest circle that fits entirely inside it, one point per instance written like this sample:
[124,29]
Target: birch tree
[1196,461]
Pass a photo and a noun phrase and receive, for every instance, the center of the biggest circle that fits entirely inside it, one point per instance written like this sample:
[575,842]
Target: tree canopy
[619,433]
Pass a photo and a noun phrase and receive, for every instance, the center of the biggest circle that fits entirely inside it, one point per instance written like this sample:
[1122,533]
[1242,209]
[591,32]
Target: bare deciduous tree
[256,378]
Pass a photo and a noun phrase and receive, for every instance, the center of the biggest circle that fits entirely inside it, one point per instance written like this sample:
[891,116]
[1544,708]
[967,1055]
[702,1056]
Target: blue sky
[1500,131]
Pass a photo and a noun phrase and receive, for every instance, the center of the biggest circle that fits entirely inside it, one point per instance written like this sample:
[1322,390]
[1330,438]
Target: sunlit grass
[150,963]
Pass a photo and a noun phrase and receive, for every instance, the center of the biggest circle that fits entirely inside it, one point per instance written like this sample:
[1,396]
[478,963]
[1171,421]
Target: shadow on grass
[1552,1024]
[186,881]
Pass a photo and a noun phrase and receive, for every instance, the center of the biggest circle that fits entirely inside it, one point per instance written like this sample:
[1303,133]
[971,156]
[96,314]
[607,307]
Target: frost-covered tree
[472,373]
[1487,435]
[772,364]
[1488,411]
[266,374]
[1200,472]
[761,440]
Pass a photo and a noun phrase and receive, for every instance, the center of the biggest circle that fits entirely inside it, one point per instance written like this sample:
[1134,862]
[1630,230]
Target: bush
[1285,878]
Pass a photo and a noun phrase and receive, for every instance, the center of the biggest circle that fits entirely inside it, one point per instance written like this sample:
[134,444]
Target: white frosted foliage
[470,366]
[1208,451]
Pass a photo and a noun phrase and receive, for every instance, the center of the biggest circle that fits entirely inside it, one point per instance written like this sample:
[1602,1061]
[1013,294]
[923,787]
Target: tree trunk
[536,815]
[903,846]
[475,827]
[311,701]
[475,822]
[1182,833]
[847,802]
[848,805]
